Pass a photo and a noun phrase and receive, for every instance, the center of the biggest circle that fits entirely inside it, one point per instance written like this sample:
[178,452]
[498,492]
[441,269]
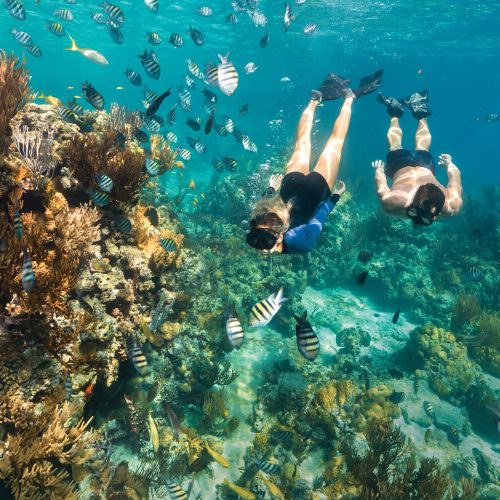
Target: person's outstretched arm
[453,202]
[383,188]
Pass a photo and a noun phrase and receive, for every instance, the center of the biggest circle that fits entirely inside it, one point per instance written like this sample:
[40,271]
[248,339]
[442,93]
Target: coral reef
[87,155]
[484,346]
[14,93]
[42,441]
[387,468]
[450,372]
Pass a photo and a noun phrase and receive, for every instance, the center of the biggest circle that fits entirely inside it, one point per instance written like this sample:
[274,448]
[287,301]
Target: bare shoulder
[395,202]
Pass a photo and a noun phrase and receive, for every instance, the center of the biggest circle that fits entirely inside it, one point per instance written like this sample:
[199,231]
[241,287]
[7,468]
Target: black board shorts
[305,192]
[401,158]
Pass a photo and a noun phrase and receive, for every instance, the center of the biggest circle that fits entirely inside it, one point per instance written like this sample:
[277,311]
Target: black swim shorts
[305,192]
[401,158]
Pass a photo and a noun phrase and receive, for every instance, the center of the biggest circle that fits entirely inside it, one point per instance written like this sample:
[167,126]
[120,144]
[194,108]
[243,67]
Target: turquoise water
[450,48]
[454,44]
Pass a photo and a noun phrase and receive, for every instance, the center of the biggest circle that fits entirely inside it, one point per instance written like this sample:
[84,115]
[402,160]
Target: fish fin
[74,46]
[223,59]
[278,299]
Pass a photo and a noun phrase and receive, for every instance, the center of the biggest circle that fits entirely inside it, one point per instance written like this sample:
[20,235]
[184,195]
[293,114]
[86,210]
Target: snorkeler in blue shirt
[290,217]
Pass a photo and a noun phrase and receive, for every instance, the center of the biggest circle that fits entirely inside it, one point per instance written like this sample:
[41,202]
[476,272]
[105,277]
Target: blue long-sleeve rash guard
[301,239]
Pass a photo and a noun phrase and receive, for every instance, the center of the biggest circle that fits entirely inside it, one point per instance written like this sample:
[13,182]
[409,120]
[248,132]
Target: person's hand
[445,160]
[339,188]
[378,164]
[275,181]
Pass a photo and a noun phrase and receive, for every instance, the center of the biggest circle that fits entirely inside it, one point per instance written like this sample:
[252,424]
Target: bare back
[407,180]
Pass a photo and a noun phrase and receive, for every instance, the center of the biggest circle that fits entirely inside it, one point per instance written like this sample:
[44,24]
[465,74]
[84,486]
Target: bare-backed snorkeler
[291,220]
[415,191]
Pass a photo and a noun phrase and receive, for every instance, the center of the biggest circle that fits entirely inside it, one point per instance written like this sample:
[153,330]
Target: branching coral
[163,153]
[214,409]
[14,92]
[35,147]
[465,309]
[36,452]
[485,346]
[387,469]
[91,154]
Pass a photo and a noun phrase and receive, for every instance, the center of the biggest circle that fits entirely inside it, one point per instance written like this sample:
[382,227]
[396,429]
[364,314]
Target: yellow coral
[162,152]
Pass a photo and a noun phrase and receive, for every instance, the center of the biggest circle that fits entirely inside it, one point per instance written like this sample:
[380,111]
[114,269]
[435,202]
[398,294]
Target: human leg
[299,161]
[328,163]
[423,136]
[394,134]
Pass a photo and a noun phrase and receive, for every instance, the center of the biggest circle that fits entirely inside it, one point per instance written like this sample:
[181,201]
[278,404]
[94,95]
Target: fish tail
[74,46]
[279,297]
[223,59]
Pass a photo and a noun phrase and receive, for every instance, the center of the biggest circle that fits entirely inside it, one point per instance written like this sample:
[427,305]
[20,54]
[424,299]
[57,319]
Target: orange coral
[91,154]
[14,92]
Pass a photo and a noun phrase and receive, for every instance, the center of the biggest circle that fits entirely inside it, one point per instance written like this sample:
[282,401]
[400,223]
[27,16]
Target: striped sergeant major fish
[268,467]
[227,76]
[152,5]
[234,330]
[176,492]
[55,28]
[16,9]
[150,64]
[133,77]
[138,358]
[307,340]
[113,11]
[28,276]
[17,225]
[22,37]
[64,14]
[264,311]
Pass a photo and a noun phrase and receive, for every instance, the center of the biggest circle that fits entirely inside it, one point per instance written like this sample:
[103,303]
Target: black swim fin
[369,83]
[333,87]
[394,106]
[419,104]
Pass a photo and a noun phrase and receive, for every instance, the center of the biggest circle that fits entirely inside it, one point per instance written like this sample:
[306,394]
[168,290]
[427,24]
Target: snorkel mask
[420,216]
[264,231]
[262,238]
[426,205]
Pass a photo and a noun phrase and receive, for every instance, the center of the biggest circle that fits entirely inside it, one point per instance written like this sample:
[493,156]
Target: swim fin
[419,104]
[333,87]
[369,83]
[316,95]
[394,106]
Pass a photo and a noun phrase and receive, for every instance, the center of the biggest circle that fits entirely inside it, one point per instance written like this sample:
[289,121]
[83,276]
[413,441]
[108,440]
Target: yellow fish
[153,433]
[90,54]
[120,88]
[202,195]
[50,99]
[274,490]
[242,492]
[191,184]
[77,97]
[179,164]
[218,457]
[195,201]
[70,87]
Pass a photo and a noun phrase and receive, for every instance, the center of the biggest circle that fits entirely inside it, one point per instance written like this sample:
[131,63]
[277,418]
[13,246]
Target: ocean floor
[264,346]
